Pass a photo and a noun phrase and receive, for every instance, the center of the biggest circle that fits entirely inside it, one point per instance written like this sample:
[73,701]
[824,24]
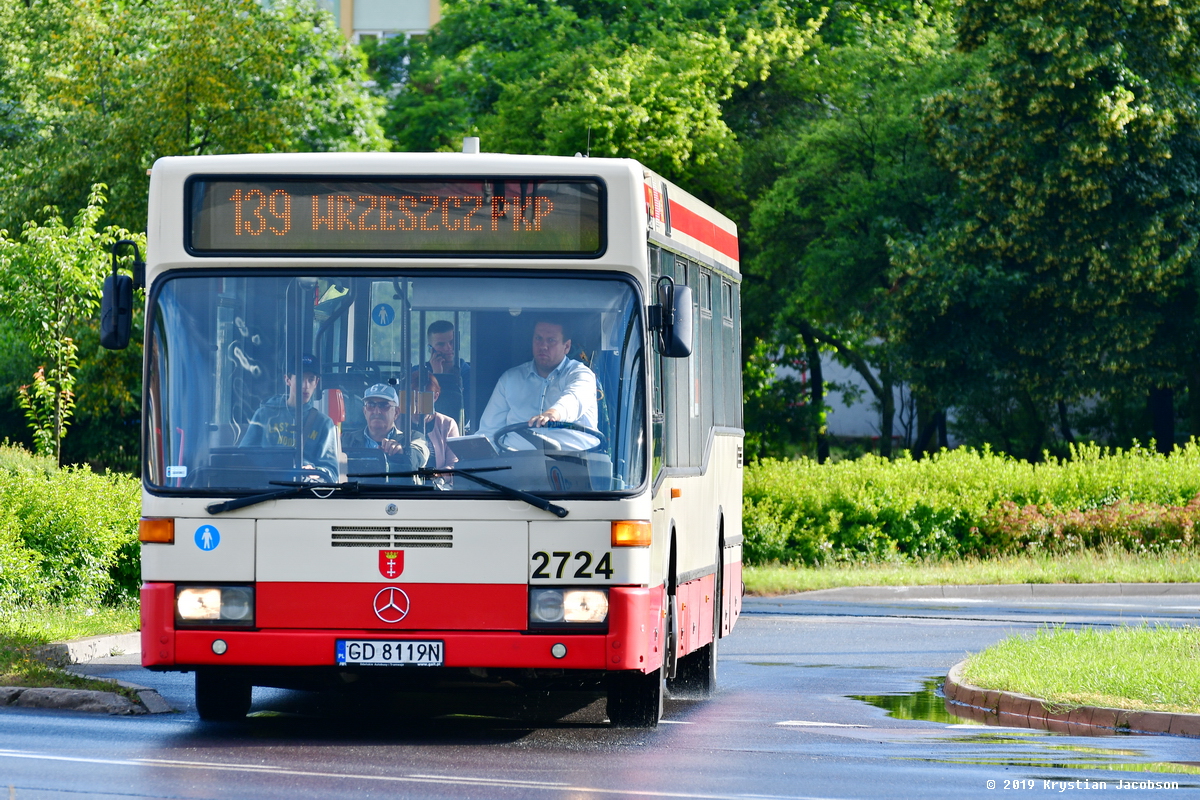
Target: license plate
[374,652]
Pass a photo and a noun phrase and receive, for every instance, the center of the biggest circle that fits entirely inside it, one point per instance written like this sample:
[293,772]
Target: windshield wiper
[516,494]
[298,490]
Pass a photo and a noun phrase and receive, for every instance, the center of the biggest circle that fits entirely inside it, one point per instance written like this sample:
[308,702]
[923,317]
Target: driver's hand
[390,447]
[549,415]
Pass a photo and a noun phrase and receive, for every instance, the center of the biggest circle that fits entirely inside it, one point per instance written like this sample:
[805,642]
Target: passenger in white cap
[381,407]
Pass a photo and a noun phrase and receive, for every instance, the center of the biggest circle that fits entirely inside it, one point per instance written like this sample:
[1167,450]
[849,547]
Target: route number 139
[561,562]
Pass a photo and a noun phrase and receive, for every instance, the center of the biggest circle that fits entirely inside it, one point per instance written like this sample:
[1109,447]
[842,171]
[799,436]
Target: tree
[111,87]
[855,173]
[49,281]
[626,80]
[1072,244]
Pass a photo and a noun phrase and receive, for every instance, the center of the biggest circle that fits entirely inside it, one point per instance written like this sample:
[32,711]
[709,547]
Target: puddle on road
[927,705]
[809,666]
[1039,750]
[1033,749]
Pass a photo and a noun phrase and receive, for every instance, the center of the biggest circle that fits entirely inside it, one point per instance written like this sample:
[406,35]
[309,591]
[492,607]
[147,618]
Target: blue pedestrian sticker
[207,537]
[383,314]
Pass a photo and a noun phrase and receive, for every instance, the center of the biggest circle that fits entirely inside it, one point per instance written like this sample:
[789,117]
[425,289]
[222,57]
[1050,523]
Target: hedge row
[67,536]
[969,503]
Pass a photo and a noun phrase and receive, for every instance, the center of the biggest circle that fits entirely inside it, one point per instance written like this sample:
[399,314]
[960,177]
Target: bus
[343,479]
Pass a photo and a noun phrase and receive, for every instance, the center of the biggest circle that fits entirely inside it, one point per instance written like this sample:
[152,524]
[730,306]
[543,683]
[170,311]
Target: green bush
[969,503]
[67,536]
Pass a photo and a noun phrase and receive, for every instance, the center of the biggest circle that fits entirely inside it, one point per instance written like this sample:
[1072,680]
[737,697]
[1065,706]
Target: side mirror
[672,318]
[116,311]
[116,301]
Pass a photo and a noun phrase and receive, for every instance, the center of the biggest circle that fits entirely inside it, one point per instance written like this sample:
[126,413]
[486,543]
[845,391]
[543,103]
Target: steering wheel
[542,442]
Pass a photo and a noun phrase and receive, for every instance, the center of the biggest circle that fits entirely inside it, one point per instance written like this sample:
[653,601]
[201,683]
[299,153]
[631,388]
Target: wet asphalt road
[784,725]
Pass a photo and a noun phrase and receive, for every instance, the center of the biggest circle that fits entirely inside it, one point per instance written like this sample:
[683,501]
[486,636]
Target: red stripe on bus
[441,606]
[633,640]
[703,230]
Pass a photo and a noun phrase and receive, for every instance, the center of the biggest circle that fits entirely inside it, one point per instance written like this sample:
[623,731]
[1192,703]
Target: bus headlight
[555,607]
[214,605]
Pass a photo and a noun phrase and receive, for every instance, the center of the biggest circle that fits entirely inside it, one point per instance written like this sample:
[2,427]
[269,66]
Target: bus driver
[550,388]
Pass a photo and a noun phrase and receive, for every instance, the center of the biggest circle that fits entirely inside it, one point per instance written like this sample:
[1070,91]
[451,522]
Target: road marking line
[432,779]
[804,723]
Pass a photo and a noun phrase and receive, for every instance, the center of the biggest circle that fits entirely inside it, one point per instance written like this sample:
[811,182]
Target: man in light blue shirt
[550,388]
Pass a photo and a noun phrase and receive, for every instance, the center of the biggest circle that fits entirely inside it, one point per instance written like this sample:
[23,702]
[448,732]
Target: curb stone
[71,699]
[1018,710]
[83,651]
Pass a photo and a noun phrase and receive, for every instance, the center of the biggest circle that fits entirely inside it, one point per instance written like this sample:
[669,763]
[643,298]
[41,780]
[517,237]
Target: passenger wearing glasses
[381,407]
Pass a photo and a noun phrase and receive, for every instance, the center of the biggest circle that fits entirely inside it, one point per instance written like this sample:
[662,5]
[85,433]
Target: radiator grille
[382,536]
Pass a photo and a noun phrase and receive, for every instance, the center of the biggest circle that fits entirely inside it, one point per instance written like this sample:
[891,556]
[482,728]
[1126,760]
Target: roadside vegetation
[971,504]
[1139,668]
[1091,566]
[24,632]
[68,562]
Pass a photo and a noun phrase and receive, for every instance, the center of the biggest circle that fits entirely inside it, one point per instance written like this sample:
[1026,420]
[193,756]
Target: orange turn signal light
[631,533]
[157,529]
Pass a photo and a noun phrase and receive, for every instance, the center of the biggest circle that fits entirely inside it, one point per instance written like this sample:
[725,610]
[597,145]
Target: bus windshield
[394,381]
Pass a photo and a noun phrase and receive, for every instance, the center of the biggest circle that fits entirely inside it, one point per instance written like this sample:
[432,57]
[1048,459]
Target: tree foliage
[50,283]
[100,89]
[629,80]
[856,172]
[1070,254]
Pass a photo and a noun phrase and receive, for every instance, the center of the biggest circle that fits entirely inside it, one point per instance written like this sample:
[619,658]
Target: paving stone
[1080,716]
[154,702]
[1149,722]
[1185,725]
[1015,705]
[1105,718]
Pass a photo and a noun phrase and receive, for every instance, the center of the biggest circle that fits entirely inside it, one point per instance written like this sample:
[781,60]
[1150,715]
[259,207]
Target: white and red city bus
[602,548]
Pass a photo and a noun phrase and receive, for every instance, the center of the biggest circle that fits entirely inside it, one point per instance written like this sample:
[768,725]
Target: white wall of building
[853,411]
[383,18]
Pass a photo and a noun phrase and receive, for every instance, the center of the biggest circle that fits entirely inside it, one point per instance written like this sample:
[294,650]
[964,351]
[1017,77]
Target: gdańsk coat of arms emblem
[391,563]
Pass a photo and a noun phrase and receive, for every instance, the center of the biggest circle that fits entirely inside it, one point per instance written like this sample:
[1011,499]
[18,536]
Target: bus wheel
[221,697]
[635,699]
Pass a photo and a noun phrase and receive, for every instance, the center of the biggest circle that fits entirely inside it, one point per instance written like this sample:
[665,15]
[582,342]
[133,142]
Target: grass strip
[1139,668]
[1090,566]
[24,631]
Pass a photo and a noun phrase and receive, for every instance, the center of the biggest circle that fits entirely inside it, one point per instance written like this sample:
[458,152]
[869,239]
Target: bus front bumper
[633,640]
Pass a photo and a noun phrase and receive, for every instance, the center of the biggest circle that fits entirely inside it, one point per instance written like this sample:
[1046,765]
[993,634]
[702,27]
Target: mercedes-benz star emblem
[391,604]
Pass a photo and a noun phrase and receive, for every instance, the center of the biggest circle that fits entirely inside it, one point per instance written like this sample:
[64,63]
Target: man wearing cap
[381,407]
[274,424]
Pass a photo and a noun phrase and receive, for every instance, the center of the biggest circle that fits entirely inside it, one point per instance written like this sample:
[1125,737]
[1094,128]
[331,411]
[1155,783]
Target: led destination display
[514,216]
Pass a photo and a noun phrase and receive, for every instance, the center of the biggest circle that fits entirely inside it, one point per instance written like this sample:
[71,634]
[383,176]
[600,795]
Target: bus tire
[221,697]
[635,699]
